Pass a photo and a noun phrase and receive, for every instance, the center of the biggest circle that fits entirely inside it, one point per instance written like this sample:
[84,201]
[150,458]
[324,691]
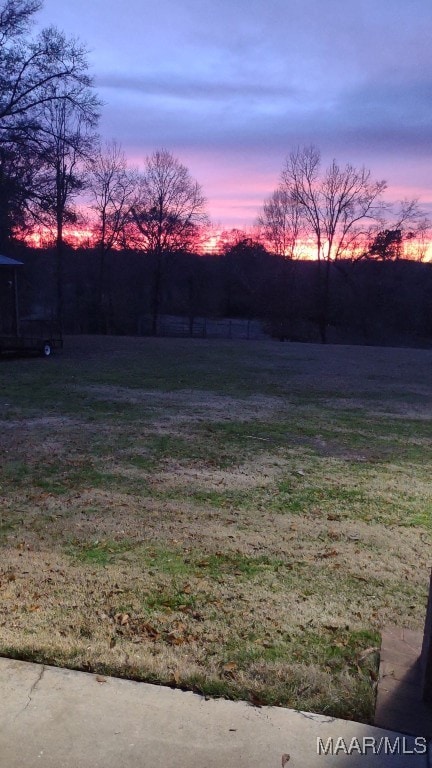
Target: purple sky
[232,86]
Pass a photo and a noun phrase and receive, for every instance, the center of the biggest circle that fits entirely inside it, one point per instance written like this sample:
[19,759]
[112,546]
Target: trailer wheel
[46,349]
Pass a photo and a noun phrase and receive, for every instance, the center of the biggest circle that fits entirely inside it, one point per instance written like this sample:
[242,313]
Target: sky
[231,87]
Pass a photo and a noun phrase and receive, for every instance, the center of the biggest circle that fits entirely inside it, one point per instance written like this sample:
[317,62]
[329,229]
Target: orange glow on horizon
[211,243]
[46,238]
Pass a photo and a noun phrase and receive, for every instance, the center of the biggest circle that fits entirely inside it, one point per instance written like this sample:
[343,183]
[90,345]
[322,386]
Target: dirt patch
[195,475]
[190,406]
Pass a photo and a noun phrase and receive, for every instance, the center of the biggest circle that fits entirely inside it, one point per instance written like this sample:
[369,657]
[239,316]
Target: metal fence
[204,327]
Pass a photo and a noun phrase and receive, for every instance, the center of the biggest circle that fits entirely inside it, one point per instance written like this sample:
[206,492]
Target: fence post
[16,305]
[426,654]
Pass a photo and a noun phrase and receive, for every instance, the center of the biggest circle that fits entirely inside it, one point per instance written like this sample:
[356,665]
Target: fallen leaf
[178,626]
[255,699]
[229,667]
[328,553]
[149,630]
[367,652]
[174,639]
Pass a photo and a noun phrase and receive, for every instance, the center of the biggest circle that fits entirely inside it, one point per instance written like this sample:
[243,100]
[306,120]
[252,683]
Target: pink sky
[232,87]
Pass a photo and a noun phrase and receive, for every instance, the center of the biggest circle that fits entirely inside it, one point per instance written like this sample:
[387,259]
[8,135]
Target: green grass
[98,553]
[175,563]
[174,600]
[238,519]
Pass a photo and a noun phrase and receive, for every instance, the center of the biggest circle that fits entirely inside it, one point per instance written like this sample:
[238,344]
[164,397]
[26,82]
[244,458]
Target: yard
[235,518]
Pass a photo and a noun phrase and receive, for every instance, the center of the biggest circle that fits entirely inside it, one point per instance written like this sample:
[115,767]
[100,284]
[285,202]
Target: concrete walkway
[56,718]
[399,705]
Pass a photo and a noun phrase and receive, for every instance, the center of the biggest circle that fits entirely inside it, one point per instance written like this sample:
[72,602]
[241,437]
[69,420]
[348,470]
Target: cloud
[179,87]
[234,85]
[379,118]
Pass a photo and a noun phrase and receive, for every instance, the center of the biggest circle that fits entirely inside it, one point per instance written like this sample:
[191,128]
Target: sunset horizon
[232,102]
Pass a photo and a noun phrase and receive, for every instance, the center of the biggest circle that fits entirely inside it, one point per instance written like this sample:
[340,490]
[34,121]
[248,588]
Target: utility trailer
[21,335]
[43,345]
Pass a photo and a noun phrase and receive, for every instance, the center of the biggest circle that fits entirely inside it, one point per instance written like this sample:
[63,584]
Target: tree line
[148,224]
[370,301]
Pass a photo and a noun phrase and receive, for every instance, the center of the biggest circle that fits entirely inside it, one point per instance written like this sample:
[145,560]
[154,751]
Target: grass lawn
[238,519]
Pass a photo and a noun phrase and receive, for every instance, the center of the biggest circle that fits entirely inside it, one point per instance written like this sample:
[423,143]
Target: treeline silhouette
[370,302]
[148,225]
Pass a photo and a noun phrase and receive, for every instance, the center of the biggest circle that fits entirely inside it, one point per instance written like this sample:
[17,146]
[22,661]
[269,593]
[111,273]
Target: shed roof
[5,261]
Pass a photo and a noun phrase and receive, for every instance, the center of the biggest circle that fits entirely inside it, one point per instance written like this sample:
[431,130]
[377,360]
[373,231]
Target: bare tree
[167,213]
[112,187]
[15,18]
[41,78]
[64,144]
[281,224]
[35,70]
[338,206]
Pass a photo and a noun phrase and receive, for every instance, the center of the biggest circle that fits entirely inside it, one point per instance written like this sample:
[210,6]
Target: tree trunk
[156,293]
[59,270]
[426,655]
[322,292]
[102,320]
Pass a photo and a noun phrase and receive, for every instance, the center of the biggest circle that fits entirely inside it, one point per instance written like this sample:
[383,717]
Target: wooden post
[16,307]
[426,654]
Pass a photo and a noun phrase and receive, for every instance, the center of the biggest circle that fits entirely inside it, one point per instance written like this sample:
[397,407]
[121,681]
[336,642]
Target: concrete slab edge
[36,716]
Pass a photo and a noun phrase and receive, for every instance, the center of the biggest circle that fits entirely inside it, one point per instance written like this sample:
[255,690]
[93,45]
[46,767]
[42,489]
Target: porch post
[426,654]
[16,308]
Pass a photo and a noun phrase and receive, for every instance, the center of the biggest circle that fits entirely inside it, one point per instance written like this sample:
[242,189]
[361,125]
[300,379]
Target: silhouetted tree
[112,187]
[35,70]
[245,277]
[404,233]
[281,224]
[167,213]
[337,205]
[17,168]
[386,245]
[64,144]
